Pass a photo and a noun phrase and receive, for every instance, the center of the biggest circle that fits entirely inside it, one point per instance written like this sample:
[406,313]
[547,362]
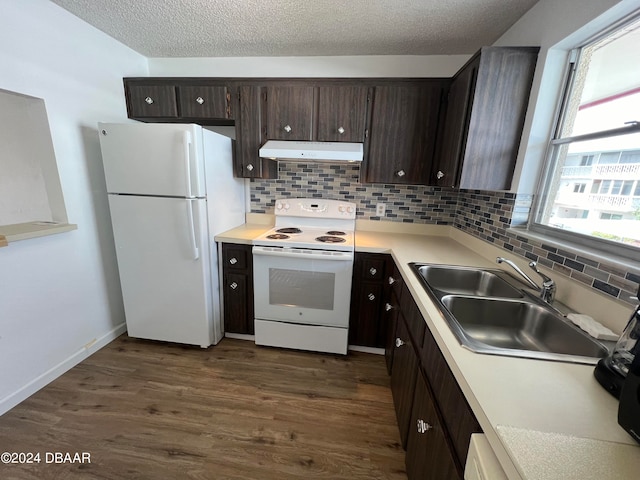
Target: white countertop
[524,406]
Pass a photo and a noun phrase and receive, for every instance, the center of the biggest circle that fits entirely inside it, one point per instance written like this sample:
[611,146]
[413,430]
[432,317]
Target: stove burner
[277,236]
[289,230]
[335,232]
[330,239]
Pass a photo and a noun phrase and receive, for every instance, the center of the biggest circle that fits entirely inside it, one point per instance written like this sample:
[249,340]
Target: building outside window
[591,189]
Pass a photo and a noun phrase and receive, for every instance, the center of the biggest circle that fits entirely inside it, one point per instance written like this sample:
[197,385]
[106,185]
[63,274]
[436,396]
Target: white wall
[348,66]
[61,293]
[557,27]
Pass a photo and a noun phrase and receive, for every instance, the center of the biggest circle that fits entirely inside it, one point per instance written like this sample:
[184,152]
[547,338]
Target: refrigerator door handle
[192,230]
[186,145]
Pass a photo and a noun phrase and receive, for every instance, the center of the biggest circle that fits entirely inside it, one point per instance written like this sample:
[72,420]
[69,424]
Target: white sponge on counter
[592,327]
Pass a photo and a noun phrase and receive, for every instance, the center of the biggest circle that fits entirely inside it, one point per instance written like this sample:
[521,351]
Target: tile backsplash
[486,215]
[404,203]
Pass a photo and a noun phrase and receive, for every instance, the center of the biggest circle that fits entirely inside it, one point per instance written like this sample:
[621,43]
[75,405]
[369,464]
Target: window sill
[24,231]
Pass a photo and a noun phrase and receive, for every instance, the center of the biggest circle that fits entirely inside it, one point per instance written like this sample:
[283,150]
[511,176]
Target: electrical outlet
[381,208]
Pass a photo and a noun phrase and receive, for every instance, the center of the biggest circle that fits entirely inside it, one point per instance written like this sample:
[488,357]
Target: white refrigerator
[171,190]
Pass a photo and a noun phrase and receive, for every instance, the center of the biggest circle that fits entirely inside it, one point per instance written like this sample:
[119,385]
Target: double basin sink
[492,312]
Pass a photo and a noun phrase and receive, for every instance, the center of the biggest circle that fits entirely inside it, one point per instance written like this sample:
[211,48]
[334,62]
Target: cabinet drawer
[204,101]
[396,281]
[236,257]
[413,317]
[373,267]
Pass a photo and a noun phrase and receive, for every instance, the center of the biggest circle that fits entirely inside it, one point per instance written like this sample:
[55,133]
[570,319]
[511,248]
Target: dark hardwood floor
[150,410]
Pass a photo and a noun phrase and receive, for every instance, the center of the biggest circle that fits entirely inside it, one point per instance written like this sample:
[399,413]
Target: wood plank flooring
[150,410]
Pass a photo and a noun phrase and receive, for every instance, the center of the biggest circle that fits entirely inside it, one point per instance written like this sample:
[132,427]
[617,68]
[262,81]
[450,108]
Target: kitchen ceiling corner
[249,28]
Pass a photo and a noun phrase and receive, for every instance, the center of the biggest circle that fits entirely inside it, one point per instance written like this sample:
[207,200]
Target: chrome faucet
[548,289]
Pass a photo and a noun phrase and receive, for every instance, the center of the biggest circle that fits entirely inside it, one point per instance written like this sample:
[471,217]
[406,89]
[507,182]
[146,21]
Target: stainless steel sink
[467,281]
[491,312]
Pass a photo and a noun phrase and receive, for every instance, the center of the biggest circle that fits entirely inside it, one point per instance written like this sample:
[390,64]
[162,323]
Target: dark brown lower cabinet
[434,418]
[237,288]
[428,454]
[391,316]
[403,378]
[370,292]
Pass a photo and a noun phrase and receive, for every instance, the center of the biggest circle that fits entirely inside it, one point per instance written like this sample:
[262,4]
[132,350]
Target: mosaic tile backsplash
[486,215]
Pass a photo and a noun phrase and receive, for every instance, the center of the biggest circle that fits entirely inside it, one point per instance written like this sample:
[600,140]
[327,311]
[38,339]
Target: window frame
[595,244]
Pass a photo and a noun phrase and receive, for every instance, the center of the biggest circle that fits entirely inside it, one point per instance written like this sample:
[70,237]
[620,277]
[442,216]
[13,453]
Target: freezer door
[164,263]
[153,159]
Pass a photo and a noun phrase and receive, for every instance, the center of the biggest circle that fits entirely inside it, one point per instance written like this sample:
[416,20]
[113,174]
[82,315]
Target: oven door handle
[303,253]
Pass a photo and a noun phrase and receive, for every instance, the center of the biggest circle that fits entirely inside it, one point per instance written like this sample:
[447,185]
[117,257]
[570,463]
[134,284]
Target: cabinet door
[151,101]
[250,134]
[428,454]
[454,133]
[456,413]
[290,113]
[236,311]
[500,101]
[204,101]
[403,378]
[392,313]
[365,321]
[404,123]
[342,112]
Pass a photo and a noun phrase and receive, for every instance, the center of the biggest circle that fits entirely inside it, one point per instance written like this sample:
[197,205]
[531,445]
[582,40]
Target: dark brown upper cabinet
[144,101]
[289,112]
[251,134]
[204,101]
[404,123]
[485,115]
[342,113]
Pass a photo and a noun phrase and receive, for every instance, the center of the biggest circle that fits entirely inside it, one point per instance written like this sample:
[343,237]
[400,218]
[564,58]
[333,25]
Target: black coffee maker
[629,409]
[612,370]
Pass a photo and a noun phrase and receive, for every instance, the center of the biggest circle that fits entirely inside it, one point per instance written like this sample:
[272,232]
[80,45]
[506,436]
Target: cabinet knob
[423,426]
[233,286]
[233,260]
[391,280]
[371,297]
[287,128]
[373,271]
[340,130]
[387,307]
[439,175]
[200,100]
[250,167]
[400,173]
[399,343]
[149,100]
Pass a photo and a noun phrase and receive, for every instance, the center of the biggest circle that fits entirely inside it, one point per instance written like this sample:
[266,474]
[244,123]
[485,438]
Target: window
[597,142]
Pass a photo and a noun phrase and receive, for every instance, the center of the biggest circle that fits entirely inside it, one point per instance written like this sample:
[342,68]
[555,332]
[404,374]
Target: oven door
[310,287]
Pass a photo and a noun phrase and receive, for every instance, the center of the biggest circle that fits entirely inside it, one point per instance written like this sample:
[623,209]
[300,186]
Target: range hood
[327,152]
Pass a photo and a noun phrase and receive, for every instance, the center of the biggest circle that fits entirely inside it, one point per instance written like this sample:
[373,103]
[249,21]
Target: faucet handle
[548,291]
[534,267]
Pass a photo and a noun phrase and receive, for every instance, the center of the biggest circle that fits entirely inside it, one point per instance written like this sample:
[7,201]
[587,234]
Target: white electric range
[302,272]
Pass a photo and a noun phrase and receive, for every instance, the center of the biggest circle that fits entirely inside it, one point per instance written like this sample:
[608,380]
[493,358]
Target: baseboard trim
[13,399]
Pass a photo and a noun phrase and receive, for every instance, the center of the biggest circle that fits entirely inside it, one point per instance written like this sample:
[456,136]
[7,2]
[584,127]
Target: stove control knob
[279,205]
[341,209]
[286,206]
[349,209]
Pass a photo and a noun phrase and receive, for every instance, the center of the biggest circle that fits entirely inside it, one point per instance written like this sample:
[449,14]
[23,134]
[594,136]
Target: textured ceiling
[244,28]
